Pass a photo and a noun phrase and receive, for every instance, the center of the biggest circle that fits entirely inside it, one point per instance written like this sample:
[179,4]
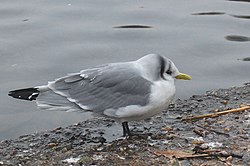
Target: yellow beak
[184,76]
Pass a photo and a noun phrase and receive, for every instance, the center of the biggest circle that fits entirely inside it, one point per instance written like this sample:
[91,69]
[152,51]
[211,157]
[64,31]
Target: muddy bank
[166,139]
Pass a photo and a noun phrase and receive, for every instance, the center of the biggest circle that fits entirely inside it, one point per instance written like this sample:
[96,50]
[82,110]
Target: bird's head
[170,70]
[159,67]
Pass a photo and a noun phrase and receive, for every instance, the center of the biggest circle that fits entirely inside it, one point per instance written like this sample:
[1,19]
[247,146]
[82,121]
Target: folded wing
[97,89]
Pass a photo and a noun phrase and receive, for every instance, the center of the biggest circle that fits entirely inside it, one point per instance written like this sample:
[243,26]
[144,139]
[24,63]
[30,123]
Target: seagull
[125,91]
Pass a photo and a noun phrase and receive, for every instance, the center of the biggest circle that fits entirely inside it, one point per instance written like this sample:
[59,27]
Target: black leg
[126,131]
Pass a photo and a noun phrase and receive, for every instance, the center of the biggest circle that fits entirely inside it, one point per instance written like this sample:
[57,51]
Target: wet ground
[167,139]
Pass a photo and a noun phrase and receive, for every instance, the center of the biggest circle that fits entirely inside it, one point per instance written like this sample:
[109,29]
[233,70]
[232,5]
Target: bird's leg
[126,131]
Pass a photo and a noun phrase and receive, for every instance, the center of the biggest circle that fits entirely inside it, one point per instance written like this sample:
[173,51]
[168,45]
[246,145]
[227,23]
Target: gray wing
[109,86]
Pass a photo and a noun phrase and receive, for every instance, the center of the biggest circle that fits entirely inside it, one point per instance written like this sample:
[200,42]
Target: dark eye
[169,71]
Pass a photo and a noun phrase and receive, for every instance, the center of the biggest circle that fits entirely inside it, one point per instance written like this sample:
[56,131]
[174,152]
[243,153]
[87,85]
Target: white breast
[162,93]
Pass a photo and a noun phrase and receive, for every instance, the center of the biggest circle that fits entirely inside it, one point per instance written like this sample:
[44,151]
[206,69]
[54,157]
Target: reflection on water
[242,16]
[209,13]
[221,13]
[24,20]
[237,38]
[46,39]
[240,0]
[245,59]
[133,26]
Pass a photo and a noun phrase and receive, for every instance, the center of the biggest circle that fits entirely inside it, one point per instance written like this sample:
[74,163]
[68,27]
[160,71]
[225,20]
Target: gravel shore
[166,139]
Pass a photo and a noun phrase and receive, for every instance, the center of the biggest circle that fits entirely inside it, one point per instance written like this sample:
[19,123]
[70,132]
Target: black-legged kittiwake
[126,91]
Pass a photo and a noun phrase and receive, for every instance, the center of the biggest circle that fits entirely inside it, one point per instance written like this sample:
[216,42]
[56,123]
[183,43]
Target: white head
[157,67]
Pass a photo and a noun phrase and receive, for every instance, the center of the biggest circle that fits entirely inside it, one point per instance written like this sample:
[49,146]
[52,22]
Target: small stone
[230,158]
[52,145]
[45,134]
[200,100]
[204,146]
[67,132]
[58,128]
[71,160]
[101,132]
[132,146]
[32,144]
[185,163]
[5,142]
[225,102]
[25,151]
[236,98]
[246,117]
[198,142]
[97,157]
[14,152]
[227,129]
[210,136]
[216,110]
[64,150]
[68,146]
[224,152]
[100,149]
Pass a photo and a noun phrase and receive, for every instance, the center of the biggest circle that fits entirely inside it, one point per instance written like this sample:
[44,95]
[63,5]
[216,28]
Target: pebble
[52,145]
[97,157]
[185,163]
[71,160]
[58,128]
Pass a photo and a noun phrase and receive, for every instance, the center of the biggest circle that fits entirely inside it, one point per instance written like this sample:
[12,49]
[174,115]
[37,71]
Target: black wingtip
[25,94]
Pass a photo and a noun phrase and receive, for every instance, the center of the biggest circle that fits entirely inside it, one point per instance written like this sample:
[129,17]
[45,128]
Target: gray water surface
[42,40]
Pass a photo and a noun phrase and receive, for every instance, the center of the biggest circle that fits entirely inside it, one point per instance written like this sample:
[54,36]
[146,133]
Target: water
[42,40]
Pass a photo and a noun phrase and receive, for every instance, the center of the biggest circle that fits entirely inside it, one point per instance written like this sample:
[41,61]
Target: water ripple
[133,26]
[240,0]
[242,16]
[237,38]
[209,13]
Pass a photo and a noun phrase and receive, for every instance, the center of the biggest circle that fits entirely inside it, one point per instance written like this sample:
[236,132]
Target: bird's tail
[25,94]
[45,98]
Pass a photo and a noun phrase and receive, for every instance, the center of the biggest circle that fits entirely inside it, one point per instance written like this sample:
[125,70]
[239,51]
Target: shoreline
[99,141]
